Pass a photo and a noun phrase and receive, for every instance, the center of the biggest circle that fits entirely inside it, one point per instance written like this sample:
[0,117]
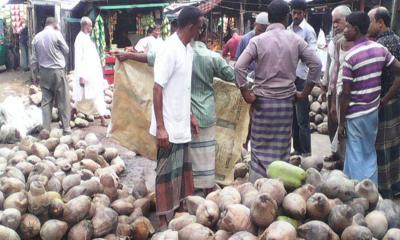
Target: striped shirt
[363,68]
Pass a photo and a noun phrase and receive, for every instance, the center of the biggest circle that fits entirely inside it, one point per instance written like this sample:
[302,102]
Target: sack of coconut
[131,116]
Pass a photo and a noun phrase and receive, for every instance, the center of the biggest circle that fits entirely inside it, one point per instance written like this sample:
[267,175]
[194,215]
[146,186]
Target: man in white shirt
[89,80]
[172,122]
[151,41]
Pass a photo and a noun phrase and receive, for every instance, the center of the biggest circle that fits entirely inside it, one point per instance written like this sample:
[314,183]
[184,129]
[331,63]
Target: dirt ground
[15,83]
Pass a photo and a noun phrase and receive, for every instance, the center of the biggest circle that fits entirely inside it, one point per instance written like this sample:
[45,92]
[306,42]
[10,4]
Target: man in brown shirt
[277,53]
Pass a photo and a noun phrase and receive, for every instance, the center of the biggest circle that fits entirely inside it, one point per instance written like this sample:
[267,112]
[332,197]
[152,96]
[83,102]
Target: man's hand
[341,132]
[195,125]
[162,138]
[122,57]
[333,113]
[383,102]
[300,96]
[82,82]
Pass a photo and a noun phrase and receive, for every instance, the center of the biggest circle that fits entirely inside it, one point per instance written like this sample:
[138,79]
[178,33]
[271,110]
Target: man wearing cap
[301,119]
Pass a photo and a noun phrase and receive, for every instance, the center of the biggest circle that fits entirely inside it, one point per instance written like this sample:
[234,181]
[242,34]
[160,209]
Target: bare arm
[310,58]
[393,91]
[162,135]
[139,57]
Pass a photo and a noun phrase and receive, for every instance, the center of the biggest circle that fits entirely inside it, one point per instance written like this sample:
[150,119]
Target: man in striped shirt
[360,98]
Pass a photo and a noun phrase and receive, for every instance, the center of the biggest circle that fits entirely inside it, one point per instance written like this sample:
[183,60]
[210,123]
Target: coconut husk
[53,230]
[81,231]
[104,221]
[76,209]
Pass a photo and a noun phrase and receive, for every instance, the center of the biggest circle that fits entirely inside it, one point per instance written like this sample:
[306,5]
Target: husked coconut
[243,236]
[123,206]
[392,234]
[8,233]
[76,209]
[228,195]
[40,150]
[316,230]
[89,164]
[336,185]
[207,213]
[25,168]
[143,204]
[75,192]
[71,181]
[235,218]
[180,222]
[264,210]
[81,231]
[56,208]
[241,170]
[360,205]
[318,207]
[294,205]
[11,185]
[377,223]
[222,235]
[192,203]
[166,235]
[105,220]
[123,230]
[18,200]
[110,184]
[340,217]
[279,230]
[53,230]
[391,211]
[54,185]
[51,143]
[14,172]
[29,226]
[356,232]
[101,200]
[38,201]
[93,186]
[214,196]
[1,200]
[110,153]
[11,218]
[139,189]
[367,189]
[195,231]
[142,228]
[306,191]
[274,188]
[60,150]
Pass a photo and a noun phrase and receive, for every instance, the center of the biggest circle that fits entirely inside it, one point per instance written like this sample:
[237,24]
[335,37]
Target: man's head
[51,21]
[278,12]
[234,31]
[339,15]
[380,21]
[86,25]
[203,31]
[357,26]
[298,11]
[174,26]
[261,23]
[189,21]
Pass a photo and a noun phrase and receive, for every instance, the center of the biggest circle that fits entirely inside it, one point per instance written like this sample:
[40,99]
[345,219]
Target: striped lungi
[388,149]
[174,180]
[271,132]
[202,155]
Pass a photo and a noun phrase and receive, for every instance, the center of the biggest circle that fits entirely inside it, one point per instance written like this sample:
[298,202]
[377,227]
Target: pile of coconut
[294,202]
[79,120]
[67,187]
[318,112]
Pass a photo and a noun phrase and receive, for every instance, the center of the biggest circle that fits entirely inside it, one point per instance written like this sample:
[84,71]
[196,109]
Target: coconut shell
[56,208]
[37,178]
[360,205]
[195,231]
[53,195]
[136,214]
[104,221]
[11,218]
[125,219]
[76,209]
[53,230]
[313,177]
[71,181]
[356,232]
[81,231]
[29,226]
[306,191]
[318,207]
[391,211]
[123,193]
[8,233]
[80,153]
[264,210]
[316,230]
[341,217]
[110,183]
[60,150]
[181,221]
[207,213]
[377,223]
[118,165]
[18,201]
[295,205]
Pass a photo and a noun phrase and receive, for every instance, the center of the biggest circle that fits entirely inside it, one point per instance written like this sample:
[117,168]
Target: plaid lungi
[388,149]
[202,155]
[174,180]
[271,132]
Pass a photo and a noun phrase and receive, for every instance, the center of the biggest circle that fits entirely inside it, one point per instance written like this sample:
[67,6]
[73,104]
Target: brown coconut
[81,231]
[207,213]
[192,203]
[142,228]
[29,227]
[341,217]
[195,231]
[18,201]
[377,223]
[294,205]
[53,230]
[56,208]
[273,187]
[11,218]
[264,210]
[180,222]
[235,218]
[279,230]
[104,221]
[318,207]
[123,206]
[356,232]
[316,230]
[76,209]
[368,190]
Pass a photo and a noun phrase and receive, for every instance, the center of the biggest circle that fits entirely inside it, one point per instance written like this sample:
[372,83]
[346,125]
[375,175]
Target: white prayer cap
[262,18]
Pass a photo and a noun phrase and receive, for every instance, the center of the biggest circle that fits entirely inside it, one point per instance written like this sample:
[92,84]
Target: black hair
[189,15]
[278,11]
[359,20]
[383,14]
[150,30]
[298,5]
[174,23]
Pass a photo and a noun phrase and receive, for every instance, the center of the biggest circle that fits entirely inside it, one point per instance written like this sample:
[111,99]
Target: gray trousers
[53,83]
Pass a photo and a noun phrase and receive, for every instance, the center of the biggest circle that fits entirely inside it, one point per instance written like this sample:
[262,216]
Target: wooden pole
[241,17]
[395,14]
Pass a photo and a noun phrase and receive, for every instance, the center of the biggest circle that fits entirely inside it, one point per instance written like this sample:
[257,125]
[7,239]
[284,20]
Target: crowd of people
[276,69]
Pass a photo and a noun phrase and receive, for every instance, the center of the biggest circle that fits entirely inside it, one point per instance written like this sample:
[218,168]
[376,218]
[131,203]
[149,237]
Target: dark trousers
[301,123]
[332,125]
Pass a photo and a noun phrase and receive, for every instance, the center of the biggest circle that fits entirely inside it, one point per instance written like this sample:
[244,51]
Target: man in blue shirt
[301,120]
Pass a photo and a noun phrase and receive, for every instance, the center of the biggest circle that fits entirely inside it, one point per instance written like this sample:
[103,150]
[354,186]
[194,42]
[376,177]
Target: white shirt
[173,72]
[147,43]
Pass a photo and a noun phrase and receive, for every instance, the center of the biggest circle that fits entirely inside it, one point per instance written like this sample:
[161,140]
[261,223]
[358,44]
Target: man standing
[172,118]
[337,50]
[231,46]
[388,138]
[301,119]
[277,52]
[89,80]
[360,99]
[48,56]
[151,41]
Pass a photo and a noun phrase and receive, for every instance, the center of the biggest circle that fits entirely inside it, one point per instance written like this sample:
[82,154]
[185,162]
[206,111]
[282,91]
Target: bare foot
[163,223]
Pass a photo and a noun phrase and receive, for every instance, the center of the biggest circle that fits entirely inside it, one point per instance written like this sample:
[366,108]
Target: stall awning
[146,5]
